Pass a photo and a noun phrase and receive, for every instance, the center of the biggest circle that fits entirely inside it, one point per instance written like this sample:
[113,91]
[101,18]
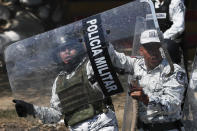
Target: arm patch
[181,77]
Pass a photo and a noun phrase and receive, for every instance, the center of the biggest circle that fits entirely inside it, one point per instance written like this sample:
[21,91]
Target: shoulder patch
[181,77]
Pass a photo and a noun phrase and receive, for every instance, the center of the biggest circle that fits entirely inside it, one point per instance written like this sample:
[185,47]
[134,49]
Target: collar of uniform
[158,3]
[62,73]
[142,64]
[160,67]
[68,75]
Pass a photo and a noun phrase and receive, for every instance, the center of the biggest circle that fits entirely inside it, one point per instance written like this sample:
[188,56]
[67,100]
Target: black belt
[162,126]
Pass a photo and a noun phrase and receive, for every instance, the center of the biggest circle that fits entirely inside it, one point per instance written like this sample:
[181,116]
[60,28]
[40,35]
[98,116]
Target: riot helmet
[69,55]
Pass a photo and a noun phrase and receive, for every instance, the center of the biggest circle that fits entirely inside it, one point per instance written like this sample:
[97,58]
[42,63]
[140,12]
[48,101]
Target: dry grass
[8,114]
[9,121]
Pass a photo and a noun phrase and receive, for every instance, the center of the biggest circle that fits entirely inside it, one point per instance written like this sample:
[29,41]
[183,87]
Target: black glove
[23,108]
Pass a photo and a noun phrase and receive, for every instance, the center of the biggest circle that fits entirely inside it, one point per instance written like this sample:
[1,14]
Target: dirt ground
[10,122]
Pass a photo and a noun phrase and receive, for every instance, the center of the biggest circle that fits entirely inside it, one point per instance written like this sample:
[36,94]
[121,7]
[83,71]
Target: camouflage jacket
[165,93]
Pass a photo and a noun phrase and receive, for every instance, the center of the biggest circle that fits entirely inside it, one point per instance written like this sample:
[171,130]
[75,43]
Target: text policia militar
[99,57]
[96,49]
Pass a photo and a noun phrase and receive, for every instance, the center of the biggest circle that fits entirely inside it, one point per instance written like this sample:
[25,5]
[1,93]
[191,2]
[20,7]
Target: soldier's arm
[177,16]
[52,114]
[120,60]
[169,100]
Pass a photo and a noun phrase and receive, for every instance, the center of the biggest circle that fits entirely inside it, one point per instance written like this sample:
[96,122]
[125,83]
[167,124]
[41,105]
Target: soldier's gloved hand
[23,108]
[137,93]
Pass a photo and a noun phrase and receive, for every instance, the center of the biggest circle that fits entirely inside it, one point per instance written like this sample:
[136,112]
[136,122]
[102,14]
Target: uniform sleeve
[120,60]
[193,80]
[52,114]
[170,99]
[177,16]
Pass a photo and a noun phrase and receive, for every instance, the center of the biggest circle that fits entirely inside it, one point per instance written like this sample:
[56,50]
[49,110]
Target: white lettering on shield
[94,37]
[106,76]
[101,63]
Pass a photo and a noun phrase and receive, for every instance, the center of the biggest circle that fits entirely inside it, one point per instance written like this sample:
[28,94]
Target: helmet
[76,59]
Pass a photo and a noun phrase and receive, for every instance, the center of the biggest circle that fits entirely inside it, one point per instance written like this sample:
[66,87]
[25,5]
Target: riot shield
[131,105]
[74,57]
[190,103]
[131,108]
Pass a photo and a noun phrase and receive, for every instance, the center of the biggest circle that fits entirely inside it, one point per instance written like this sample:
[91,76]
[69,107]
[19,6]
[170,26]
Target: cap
[149,36]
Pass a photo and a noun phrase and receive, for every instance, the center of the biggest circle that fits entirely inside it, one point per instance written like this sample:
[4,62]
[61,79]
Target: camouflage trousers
[101,122]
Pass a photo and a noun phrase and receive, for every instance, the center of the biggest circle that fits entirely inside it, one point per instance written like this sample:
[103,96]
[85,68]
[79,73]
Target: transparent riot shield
[190,103]
[142,24]
[73,61]
[131,105]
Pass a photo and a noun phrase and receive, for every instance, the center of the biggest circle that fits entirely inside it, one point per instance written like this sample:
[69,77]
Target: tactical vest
[78,98]
[163,15]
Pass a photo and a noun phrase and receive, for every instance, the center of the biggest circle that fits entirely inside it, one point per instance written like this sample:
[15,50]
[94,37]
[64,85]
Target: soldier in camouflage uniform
[159,96]
[70,94]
